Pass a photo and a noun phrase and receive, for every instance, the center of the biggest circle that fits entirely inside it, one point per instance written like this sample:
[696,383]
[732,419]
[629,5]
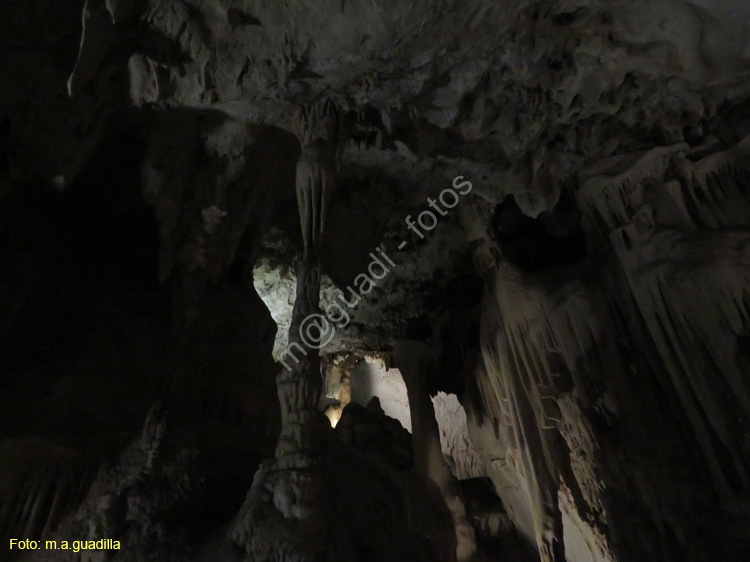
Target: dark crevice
[553,239]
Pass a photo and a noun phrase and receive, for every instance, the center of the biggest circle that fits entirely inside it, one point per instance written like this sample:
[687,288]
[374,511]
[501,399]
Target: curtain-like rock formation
[632,359]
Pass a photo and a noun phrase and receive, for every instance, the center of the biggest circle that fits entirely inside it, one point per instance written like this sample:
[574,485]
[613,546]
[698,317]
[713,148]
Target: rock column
[299,386]
[415,360]
[282,518]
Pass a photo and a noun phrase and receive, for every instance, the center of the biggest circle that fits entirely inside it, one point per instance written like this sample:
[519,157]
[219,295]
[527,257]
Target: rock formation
[239,238]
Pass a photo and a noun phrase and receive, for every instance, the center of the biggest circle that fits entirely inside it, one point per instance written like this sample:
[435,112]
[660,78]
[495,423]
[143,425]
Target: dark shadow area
[553,239]
[80,266]
[496,535]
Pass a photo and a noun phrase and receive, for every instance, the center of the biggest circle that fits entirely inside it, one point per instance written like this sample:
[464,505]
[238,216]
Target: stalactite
[37,492]
[696,325]
[664,186]
[610,199]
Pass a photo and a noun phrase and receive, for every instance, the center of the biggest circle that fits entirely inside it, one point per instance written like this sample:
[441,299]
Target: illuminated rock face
[561,364]
[592,375]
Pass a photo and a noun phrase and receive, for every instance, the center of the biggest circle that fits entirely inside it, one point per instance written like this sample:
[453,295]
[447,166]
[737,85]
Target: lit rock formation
[620,355]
